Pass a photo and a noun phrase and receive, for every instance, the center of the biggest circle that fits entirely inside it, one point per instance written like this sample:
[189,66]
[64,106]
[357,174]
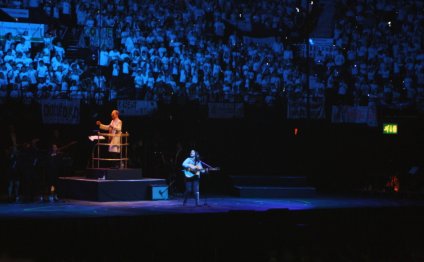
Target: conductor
[114,129]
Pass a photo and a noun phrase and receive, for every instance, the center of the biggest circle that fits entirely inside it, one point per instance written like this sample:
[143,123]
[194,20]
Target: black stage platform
[109,184]
[83,188]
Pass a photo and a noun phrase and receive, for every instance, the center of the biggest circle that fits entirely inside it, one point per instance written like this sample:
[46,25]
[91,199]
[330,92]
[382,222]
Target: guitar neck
[213,169]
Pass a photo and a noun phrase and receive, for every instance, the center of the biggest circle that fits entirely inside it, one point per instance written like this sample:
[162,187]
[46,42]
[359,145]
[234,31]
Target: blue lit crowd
[379,57]
[209,51]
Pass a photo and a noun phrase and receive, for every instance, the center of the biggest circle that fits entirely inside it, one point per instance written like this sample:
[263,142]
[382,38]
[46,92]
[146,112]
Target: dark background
[334,157]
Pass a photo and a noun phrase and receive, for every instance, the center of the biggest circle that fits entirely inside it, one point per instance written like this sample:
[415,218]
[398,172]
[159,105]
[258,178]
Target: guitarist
[192,170]
[114,128]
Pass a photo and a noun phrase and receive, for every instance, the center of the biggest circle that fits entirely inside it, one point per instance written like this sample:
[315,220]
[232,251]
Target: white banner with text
[354,114]
[36,31]
[137,107]
[226,110]
[297,108]
[60,111]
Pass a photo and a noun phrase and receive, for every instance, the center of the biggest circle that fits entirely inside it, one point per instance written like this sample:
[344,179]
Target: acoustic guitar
[190,172]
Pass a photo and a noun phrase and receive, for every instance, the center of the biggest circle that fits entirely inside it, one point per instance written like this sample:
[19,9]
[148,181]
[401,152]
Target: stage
[120,215]
[69,208]
[223,228]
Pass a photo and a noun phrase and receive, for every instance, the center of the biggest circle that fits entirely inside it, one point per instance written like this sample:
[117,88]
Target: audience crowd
[219,51]
[378,57]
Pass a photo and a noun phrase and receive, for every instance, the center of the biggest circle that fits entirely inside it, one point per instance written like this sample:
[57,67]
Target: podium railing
[96,155]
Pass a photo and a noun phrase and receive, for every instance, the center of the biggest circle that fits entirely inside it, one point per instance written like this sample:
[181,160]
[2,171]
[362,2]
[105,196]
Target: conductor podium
[119,142]
[109,178]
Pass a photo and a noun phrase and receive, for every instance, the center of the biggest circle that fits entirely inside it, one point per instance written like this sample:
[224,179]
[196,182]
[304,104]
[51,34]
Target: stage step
[272,186]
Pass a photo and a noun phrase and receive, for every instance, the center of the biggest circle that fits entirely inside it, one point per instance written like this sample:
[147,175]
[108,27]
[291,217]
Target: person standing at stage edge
[114,128]
[192,170]
[54,170]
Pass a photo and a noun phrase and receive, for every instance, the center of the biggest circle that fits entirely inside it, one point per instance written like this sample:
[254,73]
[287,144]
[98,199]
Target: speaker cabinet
[159,192]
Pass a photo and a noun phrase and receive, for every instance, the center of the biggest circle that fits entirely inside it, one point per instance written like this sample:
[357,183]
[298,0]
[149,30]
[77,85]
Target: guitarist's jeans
[192,187]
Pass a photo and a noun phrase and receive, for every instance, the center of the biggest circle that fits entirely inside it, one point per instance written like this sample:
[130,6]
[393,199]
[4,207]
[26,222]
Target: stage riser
[107,190]
[272,186]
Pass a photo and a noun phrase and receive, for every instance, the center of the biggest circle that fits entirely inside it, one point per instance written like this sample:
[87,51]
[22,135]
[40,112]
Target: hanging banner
[16,12]
[36,31]
[60,111]
[354,114]
[137,107]
[226,110]
[297,108]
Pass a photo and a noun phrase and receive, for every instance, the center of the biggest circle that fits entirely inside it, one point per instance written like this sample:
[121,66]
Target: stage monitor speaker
[159,192]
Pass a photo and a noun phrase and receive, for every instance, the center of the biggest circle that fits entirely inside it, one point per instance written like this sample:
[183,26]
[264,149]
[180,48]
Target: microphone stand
[203,163]
[206,195]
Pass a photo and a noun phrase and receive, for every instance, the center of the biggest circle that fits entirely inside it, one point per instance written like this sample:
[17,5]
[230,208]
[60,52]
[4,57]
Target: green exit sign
[390,129]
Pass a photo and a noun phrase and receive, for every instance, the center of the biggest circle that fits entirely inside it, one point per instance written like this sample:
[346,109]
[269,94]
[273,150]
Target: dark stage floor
[322,228]
[213,204]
